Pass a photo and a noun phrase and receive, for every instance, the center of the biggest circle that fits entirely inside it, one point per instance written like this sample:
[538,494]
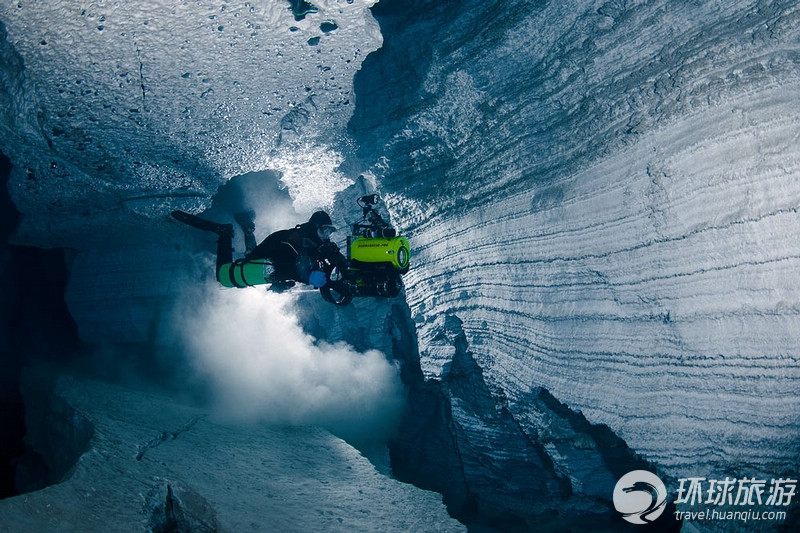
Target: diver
[302,254]
[295,252]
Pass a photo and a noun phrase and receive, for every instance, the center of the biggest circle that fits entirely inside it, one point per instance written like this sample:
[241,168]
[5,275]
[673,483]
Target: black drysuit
[295,252]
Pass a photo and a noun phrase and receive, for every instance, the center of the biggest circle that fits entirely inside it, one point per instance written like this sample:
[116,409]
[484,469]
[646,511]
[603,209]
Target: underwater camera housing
[375,242]
[376,258]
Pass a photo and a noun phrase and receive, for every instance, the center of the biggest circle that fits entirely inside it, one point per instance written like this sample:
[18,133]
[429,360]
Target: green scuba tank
[242,274]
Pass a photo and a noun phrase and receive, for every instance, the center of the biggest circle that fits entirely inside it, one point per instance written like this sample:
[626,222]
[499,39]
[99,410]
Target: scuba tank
[241,274]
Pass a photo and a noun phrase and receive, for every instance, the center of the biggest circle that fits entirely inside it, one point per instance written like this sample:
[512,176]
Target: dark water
[35,326]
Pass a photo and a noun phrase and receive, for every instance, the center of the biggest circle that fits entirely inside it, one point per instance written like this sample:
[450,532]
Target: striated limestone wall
[606,195]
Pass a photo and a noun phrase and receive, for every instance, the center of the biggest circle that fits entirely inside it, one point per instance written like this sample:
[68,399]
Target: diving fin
[202,223]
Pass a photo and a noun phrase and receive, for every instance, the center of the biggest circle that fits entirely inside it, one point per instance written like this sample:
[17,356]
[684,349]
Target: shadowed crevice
[545,468]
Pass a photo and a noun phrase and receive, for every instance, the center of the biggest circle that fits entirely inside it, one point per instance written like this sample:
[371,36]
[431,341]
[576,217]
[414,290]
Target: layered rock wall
[606,195]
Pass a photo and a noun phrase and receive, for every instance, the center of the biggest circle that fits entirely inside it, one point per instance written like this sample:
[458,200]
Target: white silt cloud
[262,367]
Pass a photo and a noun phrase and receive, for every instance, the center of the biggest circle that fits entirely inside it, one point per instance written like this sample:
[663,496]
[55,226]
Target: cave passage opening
[35,328]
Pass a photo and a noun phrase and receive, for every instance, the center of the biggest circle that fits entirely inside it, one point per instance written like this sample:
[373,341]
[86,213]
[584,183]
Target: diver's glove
[317,279]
